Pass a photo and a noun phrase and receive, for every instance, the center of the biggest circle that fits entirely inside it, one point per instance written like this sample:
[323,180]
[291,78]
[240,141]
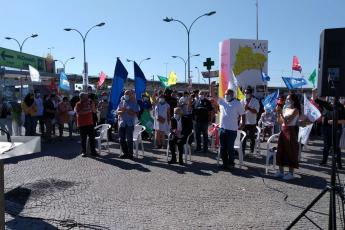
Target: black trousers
[172,145]
[250,130]
[87,131]
[327,143]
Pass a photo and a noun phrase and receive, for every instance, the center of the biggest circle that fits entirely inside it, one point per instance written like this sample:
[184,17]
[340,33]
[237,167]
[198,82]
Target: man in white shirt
[232,113]
[251,107]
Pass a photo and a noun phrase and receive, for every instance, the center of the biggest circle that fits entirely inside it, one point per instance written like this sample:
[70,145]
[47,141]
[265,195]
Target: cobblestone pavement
[60,189]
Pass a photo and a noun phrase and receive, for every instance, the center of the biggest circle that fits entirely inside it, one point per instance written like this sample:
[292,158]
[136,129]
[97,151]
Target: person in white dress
[161,118]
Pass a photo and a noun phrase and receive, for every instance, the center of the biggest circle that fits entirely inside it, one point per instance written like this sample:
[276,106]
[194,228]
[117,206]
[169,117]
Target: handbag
[342,139]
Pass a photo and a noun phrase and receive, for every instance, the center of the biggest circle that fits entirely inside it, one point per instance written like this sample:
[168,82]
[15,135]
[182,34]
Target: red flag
[53,87]
[101,80]
[295,64]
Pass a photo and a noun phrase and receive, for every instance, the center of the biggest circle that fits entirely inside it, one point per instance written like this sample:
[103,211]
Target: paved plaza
[59,189]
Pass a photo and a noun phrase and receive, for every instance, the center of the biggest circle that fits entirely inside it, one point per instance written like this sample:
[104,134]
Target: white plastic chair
[237,146]
[187,148]
[257,141]
[271,152]
[138,129]
[103,135]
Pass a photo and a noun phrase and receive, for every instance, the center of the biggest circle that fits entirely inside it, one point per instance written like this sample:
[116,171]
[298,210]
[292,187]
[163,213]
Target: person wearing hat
[251,107]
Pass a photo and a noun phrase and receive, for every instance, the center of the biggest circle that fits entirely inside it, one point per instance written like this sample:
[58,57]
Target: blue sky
[134,29]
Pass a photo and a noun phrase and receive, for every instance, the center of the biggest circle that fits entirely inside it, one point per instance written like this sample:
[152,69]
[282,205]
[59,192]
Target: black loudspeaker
[331,76]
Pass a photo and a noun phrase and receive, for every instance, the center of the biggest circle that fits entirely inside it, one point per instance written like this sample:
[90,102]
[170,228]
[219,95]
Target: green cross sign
[208,64]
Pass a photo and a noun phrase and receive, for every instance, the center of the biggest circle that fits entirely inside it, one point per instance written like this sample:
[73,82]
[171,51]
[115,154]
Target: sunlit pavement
[60,189]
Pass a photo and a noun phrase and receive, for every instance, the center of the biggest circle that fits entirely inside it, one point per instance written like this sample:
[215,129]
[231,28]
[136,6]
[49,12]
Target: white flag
[310,111]
[34,74]
[233,83]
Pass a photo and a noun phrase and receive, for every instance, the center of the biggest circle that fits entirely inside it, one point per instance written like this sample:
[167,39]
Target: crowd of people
[174,115]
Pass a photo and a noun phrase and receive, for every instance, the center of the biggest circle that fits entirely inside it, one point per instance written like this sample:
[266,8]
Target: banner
[270,101]
[310,111]
[172,78]
[64,83]
[312,77]
[265,77]
[294,82]
[139,81]
[34,74]
[295,64]
[164,81]
[120,76]
[101,79]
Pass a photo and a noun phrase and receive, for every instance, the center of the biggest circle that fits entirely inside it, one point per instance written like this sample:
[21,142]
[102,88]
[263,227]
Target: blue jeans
[201,128]
[227,141]
[126,139]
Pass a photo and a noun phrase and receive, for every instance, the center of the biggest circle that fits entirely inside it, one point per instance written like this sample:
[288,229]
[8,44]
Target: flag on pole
[164,81]
[310,111]
[64,83]
[312,77]
[296,65]
[270,101]
[120,76]
[101,79]
[265,77]
[34,74]
[240,96]
[294,82]
[172,78]
[139,81]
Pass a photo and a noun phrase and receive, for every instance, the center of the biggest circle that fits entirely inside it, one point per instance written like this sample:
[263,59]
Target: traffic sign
[18,60]
[210,74]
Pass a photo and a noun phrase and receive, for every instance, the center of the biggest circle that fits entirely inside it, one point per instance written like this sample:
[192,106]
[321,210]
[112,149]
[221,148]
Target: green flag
[312,77]
[164,81]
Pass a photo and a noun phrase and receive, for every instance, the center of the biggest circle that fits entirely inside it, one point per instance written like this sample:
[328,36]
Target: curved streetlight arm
[89,31]
[68,60]
[59,61]
[184,25]
[190,27]
[185,61]
[82,37]
[20,46]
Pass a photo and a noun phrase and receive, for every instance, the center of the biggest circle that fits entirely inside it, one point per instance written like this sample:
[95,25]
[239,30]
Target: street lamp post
[145,59]
[185,65]
[64,63]
[21,45]
[85,79]
[188,29]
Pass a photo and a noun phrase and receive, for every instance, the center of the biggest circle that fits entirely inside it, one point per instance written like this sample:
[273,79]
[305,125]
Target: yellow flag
[240,95]
[172,78]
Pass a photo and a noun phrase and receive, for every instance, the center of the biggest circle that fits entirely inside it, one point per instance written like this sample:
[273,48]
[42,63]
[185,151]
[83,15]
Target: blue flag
[265,77]
[140,81]
[119,79]
[64,83]
[270,101]
[294,82]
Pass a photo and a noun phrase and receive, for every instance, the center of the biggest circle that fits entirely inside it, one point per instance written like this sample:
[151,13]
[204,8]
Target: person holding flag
[287,149]
[231,111]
